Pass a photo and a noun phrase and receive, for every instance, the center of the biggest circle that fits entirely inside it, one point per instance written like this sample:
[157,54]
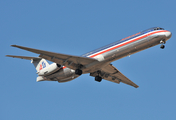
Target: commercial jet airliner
[97,62]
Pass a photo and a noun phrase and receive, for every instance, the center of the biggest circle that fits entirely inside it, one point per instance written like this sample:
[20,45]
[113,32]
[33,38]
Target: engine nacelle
[49,69]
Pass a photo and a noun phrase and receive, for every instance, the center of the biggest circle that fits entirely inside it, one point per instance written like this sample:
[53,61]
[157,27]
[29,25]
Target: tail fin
[38,62]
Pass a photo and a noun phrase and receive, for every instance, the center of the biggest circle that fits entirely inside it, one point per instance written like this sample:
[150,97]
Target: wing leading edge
[69,61]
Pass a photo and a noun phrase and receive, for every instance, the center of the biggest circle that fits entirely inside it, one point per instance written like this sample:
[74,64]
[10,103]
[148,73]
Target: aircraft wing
[112,74]
[69,61]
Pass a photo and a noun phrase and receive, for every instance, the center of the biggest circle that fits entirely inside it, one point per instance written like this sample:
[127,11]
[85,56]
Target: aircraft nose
[168,34]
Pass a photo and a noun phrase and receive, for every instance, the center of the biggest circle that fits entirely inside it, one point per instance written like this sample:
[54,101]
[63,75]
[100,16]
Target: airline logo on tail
[42,65]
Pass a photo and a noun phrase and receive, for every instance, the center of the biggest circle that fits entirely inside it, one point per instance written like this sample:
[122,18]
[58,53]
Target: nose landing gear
[162,42]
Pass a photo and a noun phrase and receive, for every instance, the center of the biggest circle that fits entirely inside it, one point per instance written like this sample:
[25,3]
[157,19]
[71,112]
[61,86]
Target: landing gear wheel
[98,78]
[162,46]
[78,72]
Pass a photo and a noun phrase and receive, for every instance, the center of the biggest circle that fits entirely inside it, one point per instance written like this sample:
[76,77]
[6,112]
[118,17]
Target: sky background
[76,27]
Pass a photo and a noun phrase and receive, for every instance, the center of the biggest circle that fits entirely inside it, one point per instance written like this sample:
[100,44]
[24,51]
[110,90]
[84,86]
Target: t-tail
[39,63]
[42,66]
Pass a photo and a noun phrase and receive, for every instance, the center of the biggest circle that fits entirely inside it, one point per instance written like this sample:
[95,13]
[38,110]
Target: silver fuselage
[114,51]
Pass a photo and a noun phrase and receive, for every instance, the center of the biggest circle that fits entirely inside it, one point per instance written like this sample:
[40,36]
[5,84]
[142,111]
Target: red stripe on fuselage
[127,42]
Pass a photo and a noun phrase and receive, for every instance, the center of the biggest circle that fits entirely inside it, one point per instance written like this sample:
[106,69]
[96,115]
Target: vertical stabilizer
[39,64]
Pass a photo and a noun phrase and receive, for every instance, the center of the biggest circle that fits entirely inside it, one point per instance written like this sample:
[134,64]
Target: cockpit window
[158,28]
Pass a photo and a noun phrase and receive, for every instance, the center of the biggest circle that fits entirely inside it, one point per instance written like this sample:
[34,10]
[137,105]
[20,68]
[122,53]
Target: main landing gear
[162,42]
[78,72]
[98,78]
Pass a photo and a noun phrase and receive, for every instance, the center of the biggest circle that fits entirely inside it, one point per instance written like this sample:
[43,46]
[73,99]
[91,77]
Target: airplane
[97,62]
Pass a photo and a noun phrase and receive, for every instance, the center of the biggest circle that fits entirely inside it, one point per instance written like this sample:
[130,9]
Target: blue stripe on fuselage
[118,42]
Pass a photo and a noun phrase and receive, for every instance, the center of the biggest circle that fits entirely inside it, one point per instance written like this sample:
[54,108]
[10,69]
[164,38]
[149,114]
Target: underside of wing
[112,74]
[70,61]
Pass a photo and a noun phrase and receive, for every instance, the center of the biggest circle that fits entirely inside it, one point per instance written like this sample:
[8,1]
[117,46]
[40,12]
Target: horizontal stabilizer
[38,62]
